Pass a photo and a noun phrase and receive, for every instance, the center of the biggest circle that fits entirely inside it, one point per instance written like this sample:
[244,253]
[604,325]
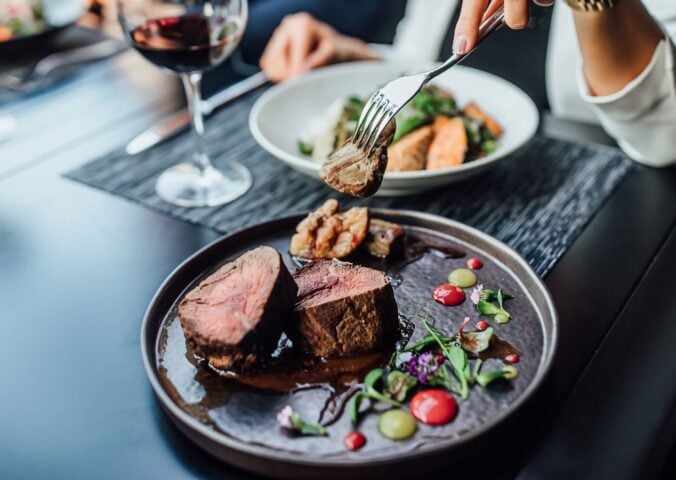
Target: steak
[235,316]
[343,309]
[350,170]
[329,233]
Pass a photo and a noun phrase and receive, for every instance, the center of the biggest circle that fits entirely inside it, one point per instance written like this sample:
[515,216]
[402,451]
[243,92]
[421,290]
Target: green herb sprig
[396,389]
[486,303]
[291,420]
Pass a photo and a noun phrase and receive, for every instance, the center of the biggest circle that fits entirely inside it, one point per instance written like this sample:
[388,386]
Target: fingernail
[460,45]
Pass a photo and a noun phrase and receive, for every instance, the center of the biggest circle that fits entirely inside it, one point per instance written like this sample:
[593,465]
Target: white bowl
[283,112]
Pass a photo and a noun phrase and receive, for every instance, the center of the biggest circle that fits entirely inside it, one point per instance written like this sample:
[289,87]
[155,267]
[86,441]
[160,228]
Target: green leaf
[488,146]
[306,428]
[502,316]
[458,359]
[304,148]
[443,378]
[486,378]
[406,126]
[477,369]
[500,299]
[372,378]
[421,345]
[486,134]
[353,407]
[472,129]
[487,308]
[398,384]
[476,342]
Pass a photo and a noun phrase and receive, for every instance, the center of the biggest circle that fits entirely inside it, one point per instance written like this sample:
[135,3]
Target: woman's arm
[617,44]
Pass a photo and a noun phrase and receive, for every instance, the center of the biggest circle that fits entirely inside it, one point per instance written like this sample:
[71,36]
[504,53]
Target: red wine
[188,43]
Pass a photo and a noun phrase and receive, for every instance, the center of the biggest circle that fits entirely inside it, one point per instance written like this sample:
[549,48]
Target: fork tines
[377,113]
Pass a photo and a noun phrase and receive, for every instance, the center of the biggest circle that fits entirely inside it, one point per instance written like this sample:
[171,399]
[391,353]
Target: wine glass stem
[193,90]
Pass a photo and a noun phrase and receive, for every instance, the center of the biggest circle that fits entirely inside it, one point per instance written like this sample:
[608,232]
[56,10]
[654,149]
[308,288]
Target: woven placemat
[537,202]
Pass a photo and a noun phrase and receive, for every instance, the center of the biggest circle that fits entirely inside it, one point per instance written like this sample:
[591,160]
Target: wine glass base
[184,185]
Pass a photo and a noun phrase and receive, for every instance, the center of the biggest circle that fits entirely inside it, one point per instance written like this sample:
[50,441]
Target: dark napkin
[537,202]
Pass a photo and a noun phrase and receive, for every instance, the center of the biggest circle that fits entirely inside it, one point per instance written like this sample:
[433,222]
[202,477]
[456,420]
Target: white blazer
[641,117]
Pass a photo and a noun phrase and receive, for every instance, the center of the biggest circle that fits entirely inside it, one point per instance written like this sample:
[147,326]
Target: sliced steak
[329,233]
[350,170]
[343,309]
[235,316]
[385,239]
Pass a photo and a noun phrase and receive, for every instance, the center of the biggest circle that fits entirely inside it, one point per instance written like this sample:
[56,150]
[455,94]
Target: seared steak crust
[350,170]
[235,316]
[343,309]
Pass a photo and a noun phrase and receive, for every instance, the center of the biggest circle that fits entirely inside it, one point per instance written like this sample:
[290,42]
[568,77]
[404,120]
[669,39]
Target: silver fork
[386,102]
[17,81]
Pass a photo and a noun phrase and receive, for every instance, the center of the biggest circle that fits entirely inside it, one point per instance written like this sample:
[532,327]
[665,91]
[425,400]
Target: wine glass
[189,37]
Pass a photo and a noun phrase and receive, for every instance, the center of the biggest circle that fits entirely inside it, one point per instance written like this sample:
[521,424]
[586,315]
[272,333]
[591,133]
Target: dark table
[78,267]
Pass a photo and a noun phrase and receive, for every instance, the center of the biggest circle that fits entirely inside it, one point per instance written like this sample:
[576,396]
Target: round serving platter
[238,423]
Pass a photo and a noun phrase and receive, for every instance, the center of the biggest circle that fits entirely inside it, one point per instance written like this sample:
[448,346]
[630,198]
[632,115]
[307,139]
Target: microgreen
[304,148]
[398,384]
[292,421]
[507,372]
[370,391]
[490,302]
[454,354]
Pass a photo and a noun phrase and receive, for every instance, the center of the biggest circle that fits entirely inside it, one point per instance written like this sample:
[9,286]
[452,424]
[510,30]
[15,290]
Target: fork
[17,81]
[389,100]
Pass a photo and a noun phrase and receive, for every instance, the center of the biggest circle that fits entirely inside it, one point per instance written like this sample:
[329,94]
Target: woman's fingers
[324,53]
[473,12]
[299,44]
[274,61]
[517,13]
[303,34]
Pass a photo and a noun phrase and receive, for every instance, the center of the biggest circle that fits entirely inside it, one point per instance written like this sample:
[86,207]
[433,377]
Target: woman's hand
[302,43]
[473,12]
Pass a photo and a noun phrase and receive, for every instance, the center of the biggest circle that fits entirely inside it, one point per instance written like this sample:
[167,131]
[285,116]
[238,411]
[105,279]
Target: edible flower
[284,417]
[421,366]
[474,342]
[291,420]
[476,294]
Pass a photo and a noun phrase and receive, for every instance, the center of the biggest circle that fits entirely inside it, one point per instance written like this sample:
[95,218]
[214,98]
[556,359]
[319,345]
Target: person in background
[607,61]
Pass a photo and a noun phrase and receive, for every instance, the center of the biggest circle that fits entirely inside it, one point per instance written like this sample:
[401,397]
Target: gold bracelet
[592,5]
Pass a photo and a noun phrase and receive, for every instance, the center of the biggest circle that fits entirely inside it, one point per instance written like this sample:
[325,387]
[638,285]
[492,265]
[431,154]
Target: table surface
[78,267]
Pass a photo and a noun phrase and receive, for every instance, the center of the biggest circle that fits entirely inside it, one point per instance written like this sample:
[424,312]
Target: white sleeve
[421,32]
[642,116]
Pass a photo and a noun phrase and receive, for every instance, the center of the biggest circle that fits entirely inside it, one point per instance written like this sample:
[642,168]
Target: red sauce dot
[448,294]
[354,440]
[512,358]
[474,263]
[481,325]
[434,407]
[439,358]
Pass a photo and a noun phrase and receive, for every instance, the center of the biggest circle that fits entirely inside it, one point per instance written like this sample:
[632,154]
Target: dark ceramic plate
[237,423]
